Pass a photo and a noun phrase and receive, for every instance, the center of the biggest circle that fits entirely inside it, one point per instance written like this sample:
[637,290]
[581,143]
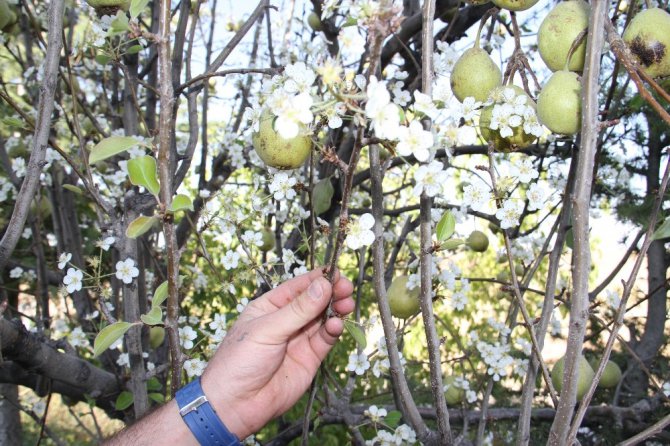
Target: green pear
[276,151]
[648,37]
[558,31]
[585,376]
[559,105]
[403,302]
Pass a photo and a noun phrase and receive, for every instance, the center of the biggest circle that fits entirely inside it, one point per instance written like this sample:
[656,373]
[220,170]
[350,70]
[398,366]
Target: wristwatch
[200,417]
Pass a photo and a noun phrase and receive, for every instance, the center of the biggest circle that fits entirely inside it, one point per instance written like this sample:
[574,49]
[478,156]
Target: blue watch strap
[199,416]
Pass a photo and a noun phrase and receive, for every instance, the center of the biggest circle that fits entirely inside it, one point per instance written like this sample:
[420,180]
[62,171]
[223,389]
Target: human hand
[272,352]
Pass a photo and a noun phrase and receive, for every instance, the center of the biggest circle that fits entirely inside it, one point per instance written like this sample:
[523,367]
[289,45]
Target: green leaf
[134,49]
[142,172]
[109,335]
[393,418]
[323,196]
[124,400]
[160,295]
[356,332]
[153,384]
[13,122]
[663,231]
[111,146]
[140,226]
[120,24]
[137,6]
[73,188]
[452,244]
[157,397]
[181,202]
[153,317]
[445,227]
[102,59]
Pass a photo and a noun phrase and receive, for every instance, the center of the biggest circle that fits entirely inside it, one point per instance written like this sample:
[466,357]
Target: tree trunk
[647,347]
[10,419]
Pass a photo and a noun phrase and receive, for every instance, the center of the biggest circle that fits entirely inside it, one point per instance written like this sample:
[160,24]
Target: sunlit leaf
[136,7]
[73,188]
[160,295]
[134,49]
[153,384]
[393,418]
[157,397]
[142,172]
[140,226]
[102,59]
[663,231]
[124,400]
[181,202]
[445,227]
[109,335]
[111,146]
[13,122]
[153,317]
[452,244]
[356,332]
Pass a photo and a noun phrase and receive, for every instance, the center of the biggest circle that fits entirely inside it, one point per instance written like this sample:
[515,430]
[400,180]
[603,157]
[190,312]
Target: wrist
[226,407]
[200,415]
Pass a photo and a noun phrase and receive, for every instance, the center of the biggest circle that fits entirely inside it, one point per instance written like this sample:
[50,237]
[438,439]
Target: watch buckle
[193,405]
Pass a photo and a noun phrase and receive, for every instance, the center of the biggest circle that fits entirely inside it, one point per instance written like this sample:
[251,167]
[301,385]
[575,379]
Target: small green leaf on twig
[140,226]
[663,231]
[153,317]
[452,244]
[142,172]
[111,146]
[181,202]
[124,400]
[445,227]
[356,332]
[160,295]
[109,335]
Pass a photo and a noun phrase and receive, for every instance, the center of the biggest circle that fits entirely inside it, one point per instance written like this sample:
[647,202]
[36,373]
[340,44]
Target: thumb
[302,310]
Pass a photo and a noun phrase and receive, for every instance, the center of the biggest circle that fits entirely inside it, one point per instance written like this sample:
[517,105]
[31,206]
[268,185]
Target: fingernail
[315,291]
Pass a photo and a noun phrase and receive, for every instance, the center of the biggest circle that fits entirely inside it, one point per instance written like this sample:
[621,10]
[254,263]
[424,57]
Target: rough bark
[37,358]
[10,418]
[647,347]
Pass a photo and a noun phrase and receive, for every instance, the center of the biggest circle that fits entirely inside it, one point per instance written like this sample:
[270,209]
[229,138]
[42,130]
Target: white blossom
[509,213]
[430,178]
[78,338]
[292,112]
[242,304]
[358,363]
[73,280]
[219,322]
[524,170]
[282,186]
[126,270]
[359,232]
[186,337]
[476,195]
[64,259]
[105,243]
[375,413]
[194,367]
[536,197]
[230,260]
[16,272]
[414,140]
